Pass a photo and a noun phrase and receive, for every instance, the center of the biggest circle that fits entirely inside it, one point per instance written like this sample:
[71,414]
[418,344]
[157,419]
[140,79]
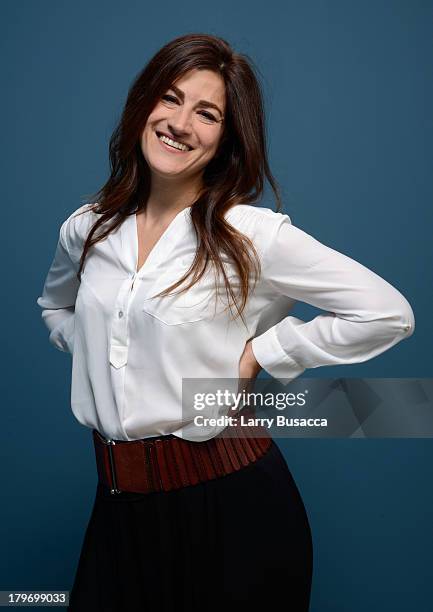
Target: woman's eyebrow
[181,95]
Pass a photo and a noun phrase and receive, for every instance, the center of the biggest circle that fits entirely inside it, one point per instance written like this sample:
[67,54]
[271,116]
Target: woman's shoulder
[251,212]
[76,226]
[258,222]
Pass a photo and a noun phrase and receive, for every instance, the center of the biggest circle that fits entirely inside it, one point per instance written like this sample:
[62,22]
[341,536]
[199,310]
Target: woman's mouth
[172,145]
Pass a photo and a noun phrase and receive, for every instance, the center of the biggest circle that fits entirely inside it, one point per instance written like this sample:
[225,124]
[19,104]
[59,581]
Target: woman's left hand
[249,367]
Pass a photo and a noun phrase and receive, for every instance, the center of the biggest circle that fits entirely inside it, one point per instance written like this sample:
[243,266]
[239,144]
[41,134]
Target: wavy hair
[235,175]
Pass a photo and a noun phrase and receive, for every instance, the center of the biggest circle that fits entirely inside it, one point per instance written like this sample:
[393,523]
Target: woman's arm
[365,314]
[58,296]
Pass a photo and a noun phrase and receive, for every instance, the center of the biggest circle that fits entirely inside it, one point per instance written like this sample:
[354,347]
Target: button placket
[147,275]
[119,327]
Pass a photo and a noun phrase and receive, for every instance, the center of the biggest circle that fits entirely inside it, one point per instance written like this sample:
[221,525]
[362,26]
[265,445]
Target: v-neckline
[159,244]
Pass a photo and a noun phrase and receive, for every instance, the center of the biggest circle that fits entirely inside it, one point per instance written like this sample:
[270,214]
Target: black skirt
[237,542]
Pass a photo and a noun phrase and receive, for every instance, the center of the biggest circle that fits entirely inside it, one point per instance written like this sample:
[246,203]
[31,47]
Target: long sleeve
[58,296]
[364,317]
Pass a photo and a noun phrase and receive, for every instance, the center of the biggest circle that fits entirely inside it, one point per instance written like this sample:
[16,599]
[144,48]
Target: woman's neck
[168,197]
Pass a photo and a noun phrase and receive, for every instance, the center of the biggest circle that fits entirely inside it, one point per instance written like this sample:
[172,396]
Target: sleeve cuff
[272,358]
[62,336]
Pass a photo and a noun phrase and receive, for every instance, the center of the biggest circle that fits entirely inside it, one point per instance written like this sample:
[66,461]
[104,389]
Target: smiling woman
[187,517]
[180,136]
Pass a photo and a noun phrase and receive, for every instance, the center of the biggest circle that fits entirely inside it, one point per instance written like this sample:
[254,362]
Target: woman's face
[189,113]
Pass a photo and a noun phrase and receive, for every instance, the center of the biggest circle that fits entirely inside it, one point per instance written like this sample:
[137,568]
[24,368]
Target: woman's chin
[168,170]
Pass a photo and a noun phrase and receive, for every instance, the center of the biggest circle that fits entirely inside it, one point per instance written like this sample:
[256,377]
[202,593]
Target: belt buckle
[110,443]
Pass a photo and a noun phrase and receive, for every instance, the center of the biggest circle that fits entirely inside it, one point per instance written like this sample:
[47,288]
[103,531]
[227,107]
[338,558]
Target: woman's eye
[207,115]
[171,99]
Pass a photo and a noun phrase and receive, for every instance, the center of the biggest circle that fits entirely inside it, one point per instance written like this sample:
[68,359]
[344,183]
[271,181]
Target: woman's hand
[249,367]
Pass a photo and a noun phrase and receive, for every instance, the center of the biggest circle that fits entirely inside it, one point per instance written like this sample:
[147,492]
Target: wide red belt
[169,462]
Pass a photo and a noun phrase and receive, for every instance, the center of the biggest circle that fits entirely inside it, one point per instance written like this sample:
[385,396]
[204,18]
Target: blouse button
[120,314]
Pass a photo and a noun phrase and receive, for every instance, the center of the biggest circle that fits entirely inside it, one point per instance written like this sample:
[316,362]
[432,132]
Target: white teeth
[173,143]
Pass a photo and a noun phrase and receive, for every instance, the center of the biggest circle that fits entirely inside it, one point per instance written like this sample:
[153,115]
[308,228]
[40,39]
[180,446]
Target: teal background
[348,90]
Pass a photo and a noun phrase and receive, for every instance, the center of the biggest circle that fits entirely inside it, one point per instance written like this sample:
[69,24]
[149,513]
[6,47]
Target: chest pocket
[199,303]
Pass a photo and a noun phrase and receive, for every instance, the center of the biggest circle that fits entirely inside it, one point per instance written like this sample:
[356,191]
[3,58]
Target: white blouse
[130,351]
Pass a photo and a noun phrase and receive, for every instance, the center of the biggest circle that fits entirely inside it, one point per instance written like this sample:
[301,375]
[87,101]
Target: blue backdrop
[348,93]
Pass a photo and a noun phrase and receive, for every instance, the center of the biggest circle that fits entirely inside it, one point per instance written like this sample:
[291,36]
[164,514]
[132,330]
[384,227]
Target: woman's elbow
[399,317]
[407,319]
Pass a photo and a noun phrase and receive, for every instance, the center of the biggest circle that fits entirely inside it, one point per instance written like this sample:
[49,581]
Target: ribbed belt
[168,462]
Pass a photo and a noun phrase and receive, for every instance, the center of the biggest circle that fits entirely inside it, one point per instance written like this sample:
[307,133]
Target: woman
[172,275]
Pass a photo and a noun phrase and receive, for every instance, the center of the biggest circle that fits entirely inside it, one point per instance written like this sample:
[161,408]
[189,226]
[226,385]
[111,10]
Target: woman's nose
[180,121]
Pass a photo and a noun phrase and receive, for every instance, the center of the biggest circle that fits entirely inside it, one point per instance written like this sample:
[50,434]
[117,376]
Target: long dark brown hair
[235,175]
